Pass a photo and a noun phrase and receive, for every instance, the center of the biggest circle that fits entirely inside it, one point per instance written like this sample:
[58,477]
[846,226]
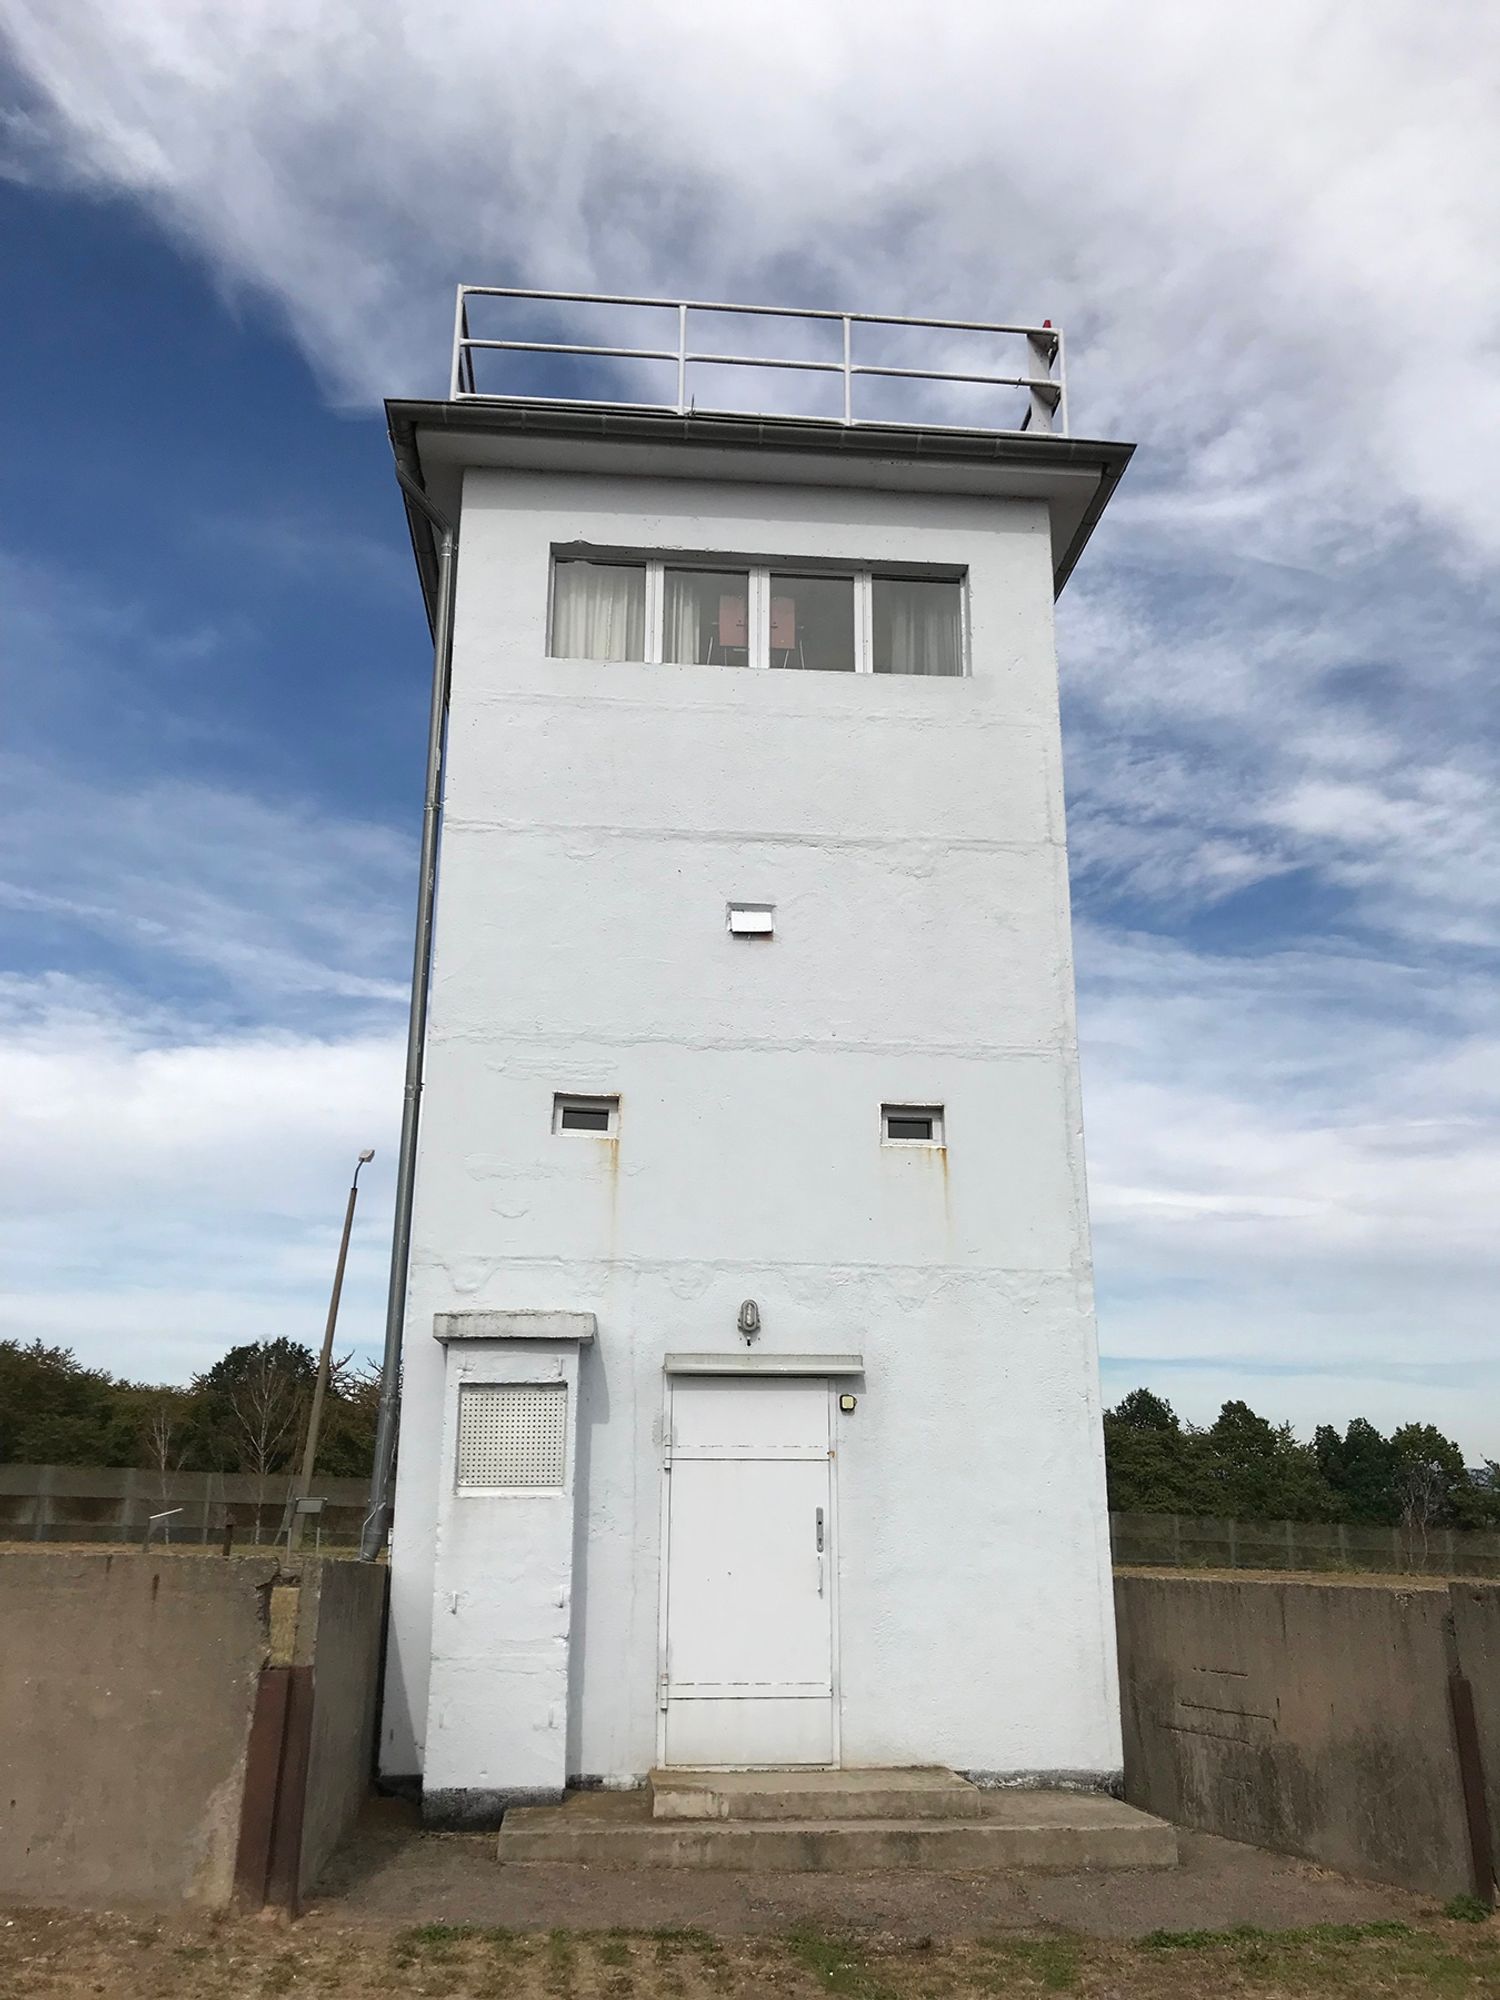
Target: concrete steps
[837,1821]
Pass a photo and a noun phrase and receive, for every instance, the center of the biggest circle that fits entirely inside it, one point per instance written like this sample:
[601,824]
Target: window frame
[564,1101]
[759,572]
[935,1114]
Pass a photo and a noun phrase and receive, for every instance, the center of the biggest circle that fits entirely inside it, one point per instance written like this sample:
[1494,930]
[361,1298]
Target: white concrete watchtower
[750,1412]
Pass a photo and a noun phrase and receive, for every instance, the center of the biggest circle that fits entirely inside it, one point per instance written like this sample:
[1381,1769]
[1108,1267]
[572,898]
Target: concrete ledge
[1029,1830]
[1111,1783]
[525,1323]
[757,1362]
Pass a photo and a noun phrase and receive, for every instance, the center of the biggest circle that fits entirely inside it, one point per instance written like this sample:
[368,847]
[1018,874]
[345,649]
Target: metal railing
[1042,379]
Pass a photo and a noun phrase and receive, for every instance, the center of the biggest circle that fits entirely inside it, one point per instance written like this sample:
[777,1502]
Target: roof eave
[928,446]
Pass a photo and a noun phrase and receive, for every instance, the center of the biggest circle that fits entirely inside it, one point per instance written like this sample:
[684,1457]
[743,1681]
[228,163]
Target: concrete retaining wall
[1313,1718]
[129,1687]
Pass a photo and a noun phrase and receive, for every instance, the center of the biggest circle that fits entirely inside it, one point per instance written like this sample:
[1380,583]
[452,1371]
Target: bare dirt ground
[54,1957]
[407,1913]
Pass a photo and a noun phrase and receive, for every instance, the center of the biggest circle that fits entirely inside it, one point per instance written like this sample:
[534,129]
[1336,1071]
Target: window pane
[706,618]
[599,611]
[585,1118]
[917,627]
[812,622]
[909,1128]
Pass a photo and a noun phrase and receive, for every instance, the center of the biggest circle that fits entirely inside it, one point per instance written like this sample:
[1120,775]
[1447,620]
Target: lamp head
[366,1156]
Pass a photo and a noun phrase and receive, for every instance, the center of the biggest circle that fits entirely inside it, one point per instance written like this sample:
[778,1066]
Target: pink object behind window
[733,626]
[783,624]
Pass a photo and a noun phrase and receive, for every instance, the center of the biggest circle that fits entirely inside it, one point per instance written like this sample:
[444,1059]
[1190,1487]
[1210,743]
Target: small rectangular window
[511,1436]
[599,1115]
[752,919]
[598,611]
[812,622]
[917,626]
[912,1124]
[706,617]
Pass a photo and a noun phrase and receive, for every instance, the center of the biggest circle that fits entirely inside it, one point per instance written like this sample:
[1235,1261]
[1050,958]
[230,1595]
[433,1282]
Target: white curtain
[598,611]
[916,627]
[683,617]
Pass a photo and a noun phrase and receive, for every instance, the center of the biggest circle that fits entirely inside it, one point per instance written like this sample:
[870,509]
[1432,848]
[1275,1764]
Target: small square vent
[511,1434]
[752,919]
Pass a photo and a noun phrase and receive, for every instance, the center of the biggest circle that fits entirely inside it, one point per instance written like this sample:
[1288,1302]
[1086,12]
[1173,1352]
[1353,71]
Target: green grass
[1467,1910]
[1050,1963]
[1350,1959]
[1243,1934]
[837,1964]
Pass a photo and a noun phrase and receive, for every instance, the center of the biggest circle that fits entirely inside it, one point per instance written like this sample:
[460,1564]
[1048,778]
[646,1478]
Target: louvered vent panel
[511,1435]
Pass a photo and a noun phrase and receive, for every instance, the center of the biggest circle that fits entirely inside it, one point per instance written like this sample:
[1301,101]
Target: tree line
[247,1413]
[1243,1467]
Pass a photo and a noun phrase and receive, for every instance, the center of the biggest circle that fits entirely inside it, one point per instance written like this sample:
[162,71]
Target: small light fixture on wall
[749,1322]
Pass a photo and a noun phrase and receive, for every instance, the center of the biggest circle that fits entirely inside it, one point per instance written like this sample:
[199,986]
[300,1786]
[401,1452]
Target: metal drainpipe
[377,1520]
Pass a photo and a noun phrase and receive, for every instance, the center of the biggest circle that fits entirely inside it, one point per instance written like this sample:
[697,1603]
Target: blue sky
[1272,253]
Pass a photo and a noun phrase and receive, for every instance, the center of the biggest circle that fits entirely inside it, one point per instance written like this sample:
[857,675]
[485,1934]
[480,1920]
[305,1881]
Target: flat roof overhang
[434,443]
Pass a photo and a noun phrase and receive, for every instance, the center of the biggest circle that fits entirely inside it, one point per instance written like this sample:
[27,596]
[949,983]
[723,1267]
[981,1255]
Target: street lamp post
[325,1359]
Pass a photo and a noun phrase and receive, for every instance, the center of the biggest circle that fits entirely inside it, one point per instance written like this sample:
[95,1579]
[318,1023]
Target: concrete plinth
[837,1820]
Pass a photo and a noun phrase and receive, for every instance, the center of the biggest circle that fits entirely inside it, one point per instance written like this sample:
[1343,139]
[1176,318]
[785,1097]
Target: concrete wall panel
[126,1690]
[127,1687]
[339,1625]
[1309,1718]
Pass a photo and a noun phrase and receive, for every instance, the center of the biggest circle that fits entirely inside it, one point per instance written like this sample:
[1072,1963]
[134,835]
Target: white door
[749,1573]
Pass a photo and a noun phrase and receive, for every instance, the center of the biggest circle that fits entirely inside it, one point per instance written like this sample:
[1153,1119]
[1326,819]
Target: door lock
[820,1531]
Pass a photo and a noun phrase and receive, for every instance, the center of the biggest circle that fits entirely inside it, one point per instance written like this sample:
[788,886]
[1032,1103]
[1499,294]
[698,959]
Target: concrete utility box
[750,1406]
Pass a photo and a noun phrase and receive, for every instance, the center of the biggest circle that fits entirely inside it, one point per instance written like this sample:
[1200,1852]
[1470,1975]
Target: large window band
[855,621]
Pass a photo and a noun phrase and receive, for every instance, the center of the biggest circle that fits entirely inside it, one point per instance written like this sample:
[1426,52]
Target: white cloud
[279,901]
[1267,229]
[1295,1174]
[167,1192]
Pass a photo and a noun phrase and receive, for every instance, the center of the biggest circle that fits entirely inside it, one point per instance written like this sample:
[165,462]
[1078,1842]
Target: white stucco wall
[910,834]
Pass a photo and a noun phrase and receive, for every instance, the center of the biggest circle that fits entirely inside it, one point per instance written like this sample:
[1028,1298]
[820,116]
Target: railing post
[1060,375]
[848,376]
[1046,409]
[682,313]
[460,335]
